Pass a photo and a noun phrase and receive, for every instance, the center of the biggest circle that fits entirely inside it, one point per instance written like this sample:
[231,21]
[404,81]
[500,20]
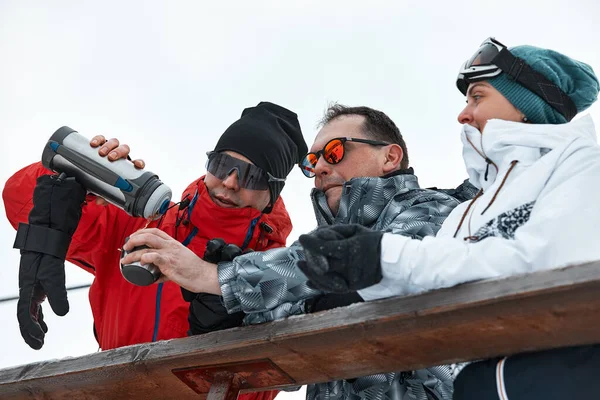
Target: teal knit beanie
[575,78]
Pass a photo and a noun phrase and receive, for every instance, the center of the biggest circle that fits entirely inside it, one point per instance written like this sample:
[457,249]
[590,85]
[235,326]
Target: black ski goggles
[333,153]
[492,58]
[221,165]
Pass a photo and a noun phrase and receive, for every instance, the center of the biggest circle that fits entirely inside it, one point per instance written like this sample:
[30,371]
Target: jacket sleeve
[560,231]
[101,230]
[261,281]
[269,285]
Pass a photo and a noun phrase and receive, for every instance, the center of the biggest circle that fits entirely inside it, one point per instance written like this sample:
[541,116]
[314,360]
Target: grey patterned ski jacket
[269,286]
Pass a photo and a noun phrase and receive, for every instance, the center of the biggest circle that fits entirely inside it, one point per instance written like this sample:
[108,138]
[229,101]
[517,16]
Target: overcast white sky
[169,77]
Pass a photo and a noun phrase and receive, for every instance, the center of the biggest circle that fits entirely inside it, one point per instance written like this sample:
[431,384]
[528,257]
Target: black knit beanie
[269,136]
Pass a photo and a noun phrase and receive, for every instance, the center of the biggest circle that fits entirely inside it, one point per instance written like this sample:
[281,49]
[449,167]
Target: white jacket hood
[505,141]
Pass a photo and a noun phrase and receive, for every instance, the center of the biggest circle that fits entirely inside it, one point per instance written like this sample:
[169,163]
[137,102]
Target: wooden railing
[472,321]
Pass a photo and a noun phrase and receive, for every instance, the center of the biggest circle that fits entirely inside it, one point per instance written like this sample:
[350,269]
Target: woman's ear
[393,158]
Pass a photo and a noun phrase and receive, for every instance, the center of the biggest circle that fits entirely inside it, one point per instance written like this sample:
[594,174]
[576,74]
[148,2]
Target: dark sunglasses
[333,152]
[250,176]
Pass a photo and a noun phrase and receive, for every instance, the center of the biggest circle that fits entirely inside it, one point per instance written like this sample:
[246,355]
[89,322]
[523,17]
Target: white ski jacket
[538,209]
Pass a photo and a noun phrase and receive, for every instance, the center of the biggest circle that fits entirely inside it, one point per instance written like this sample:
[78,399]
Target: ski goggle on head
[493,58]
[333,153]
[249,176]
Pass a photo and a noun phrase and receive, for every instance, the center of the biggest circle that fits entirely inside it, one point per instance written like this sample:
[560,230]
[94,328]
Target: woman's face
[484,102]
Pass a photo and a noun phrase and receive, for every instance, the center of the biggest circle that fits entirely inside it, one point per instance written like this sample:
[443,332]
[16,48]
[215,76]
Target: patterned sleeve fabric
[269,285]
[434,383]
[266,281]
[466,191]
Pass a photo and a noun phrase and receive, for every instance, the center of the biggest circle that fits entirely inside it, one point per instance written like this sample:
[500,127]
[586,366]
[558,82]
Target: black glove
[207,312]
[44,243]
[216,251]
[330,301]
[342,258]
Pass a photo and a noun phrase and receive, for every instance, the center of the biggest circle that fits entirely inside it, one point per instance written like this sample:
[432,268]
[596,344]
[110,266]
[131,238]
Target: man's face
[228,194]
[359,159]
[484,102]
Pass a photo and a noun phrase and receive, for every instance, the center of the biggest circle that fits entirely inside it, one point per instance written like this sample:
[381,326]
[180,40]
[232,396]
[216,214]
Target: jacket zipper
[160,285]
[157,313]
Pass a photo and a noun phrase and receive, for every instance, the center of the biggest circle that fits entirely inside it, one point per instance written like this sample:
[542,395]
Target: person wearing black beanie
[235,207]
[270,137]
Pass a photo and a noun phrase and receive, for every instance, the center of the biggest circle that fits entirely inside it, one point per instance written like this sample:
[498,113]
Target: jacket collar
[505,141]
[216,220]
[363,199]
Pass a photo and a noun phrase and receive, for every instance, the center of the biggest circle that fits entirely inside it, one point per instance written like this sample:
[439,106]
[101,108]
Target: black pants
[571,373]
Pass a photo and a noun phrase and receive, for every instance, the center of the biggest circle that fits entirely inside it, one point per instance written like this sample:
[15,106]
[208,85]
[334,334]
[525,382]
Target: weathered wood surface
[477,320]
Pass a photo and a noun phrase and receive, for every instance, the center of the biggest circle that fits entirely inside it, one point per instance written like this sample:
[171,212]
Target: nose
[322,167]
[231,181]
[466,115]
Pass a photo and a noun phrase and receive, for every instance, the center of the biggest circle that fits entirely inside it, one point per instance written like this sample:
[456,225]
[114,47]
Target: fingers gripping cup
[138,273]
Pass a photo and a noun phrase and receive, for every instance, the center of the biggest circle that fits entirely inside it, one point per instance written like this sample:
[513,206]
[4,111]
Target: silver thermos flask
[139,192]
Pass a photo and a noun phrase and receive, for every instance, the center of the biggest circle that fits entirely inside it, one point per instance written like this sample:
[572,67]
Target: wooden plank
[476,320]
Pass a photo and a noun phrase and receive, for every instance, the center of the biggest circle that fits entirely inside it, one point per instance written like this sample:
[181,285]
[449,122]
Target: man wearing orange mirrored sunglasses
[360,164]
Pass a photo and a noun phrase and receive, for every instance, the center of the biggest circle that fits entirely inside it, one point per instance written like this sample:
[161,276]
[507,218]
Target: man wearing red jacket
[266,142]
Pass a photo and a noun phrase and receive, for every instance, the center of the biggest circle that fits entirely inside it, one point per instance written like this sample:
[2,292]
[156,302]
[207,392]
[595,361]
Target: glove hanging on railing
[44,243]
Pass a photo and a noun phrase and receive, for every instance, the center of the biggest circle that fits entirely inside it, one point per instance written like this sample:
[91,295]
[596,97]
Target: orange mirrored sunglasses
[333,153]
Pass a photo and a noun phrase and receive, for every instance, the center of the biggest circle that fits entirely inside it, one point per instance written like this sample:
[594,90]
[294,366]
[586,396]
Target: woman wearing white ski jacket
[539,178]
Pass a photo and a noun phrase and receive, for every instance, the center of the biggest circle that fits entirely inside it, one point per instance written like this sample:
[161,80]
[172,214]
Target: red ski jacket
[126,314]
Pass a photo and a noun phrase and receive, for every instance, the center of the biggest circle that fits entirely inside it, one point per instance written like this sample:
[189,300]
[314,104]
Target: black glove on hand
[330,301]
[342,258]
[216,251]
[207,312]
[44,243]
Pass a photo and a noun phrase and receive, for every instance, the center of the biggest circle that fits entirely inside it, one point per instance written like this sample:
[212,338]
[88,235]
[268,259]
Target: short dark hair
[377,125]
